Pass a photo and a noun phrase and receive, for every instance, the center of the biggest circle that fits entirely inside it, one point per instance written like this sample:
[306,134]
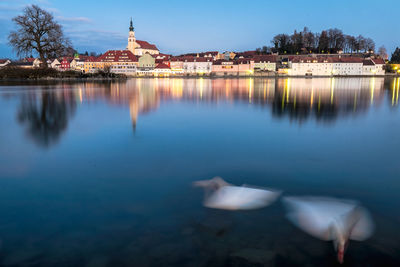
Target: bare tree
[336,39]
[308,39]
[36,30]
[383,52]
[281,42]
[360,43]
[350,43]
[323,43]
[369,45]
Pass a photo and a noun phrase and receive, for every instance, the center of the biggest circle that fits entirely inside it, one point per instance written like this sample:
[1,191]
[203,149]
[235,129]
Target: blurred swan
[330,219]
[222,195]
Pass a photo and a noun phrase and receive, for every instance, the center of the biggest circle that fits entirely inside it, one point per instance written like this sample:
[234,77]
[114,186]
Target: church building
[139,48]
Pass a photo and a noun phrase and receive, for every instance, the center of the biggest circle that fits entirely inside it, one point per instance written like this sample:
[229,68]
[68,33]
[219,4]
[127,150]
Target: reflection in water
[326,99]
[395,91]
[299,99]
[45,115]
[104,198]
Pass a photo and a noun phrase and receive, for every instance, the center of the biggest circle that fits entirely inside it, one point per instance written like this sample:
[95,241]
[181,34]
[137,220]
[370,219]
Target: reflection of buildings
[394,88]
[324,99]
[45,113]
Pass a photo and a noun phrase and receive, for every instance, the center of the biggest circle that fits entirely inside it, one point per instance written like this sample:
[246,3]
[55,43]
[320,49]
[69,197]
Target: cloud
[74,19]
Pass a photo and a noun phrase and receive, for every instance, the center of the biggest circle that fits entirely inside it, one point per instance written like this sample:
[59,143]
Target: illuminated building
[137,47]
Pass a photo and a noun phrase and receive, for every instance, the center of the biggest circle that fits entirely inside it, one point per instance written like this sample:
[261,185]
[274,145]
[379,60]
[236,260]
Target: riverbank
[13,74]
[48,74]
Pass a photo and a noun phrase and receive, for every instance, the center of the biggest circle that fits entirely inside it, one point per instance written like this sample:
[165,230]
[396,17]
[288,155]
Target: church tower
[131,39]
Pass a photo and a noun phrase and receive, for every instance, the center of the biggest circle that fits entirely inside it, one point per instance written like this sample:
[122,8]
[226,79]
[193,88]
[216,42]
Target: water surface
[100,173]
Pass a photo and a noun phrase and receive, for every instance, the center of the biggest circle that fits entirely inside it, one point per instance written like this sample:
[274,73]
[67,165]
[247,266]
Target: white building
[37,62]
[55,64]
[162,70]
[310,66]
[4,62]
[347,66]
[197,65]
[334,66]
[78,64]
[373,67]
[124,68]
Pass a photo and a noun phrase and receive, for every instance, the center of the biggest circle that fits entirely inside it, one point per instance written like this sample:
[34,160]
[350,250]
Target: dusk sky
[178,26]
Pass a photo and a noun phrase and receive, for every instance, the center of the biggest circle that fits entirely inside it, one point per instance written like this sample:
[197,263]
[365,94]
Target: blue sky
[178,26]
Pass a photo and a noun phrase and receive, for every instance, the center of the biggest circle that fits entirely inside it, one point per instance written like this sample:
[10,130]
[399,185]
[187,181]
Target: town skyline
[82,25]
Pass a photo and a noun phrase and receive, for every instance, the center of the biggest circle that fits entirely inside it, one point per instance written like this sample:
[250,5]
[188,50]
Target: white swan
[330,219]
[222,195]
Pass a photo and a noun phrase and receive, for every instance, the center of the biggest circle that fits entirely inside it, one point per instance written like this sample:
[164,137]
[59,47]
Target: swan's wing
[316,216]
[240,198]
[363,226]
[213,183]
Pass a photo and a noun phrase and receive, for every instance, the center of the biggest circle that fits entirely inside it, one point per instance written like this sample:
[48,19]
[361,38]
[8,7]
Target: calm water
[99,174]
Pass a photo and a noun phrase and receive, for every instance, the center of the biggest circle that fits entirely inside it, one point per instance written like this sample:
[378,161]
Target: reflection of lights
[395,90]
[288,90]
[319,102]
[201,87]
[355,101]
[250,89]
[332,89]
[312,96]
[265,90]
[80,94]
[372,86]
[283,98]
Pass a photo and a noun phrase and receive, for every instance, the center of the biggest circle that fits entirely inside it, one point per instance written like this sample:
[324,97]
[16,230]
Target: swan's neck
[340,238]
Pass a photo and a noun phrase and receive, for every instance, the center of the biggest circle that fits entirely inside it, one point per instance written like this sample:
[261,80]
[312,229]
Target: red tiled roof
[265,58]
[201,54]
[378,61]
[246,54]
[66,59]
[118,56]
[214,53]
[347,60]
[146,45]
[164,55]
[368,62]
[29,59]
[326,60]
[242,61]
[311,60]
[162,66]
[91,59]
[176,59]
[197,59]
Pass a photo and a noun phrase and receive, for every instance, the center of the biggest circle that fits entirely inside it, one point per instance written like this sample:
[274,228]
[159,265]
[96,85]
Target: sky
[182,26]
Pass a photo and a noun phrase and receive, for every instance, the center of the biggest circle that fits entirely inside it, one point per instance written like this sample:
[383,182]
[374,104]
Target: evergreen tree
[395,56]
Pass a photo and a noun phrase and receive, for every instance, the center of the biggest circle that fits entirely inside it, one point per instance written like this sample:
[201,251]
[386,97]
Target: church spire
[131,29]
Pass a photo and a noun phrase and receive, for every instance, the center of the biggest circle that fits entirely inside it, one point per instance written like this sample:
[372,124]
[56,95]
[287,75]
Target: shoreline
[93,79]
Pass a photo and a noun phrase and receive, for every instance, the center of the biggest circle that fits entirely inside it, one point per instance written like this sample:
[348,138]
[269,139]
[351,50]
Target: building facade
[197,65]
